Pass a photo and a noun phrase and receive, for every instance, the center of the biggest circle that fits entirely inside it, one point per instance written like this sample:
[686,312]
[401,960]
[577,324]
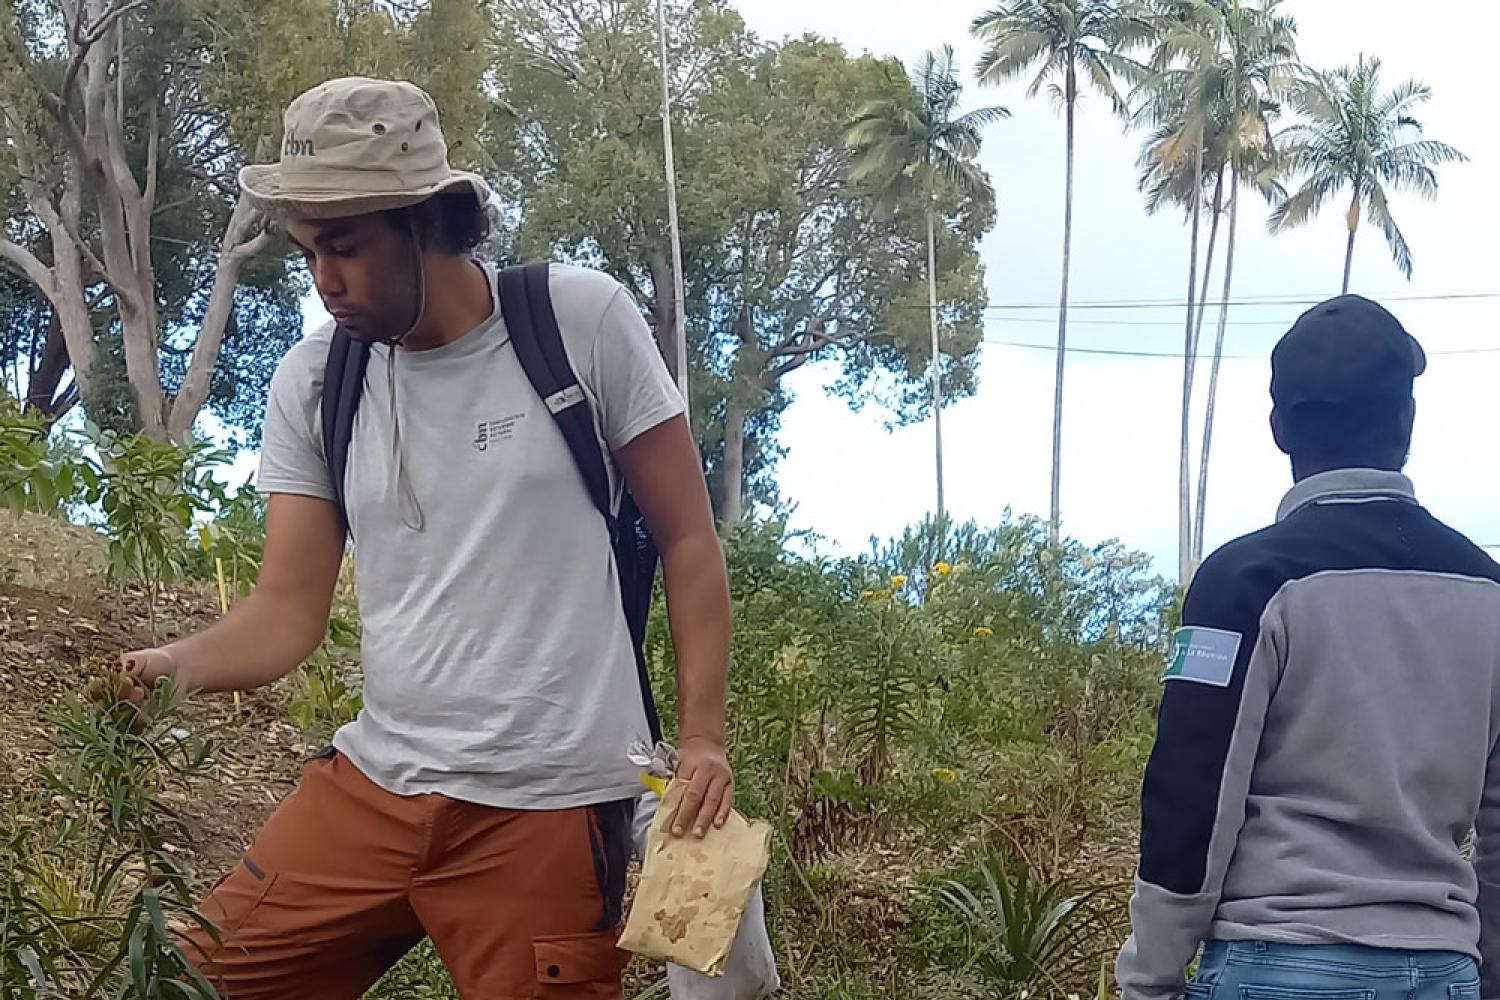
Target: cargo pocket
[579,966]
[232,904]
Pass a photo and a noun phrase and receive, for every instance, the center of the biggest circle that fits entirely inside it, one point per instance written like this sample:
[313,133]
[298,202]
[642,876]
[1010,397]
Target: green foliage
[1070,44]
[232,544]
[33,475]
[787,263]
[150,492]
[908,147]
[92,874]
[893,654]
[420,974]
[1023,927]
[328,685]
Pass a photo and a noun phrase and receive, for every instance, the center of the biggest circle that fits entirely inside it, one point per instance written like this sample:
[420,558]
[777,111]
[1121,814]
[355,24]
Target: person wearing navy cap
[1328,732]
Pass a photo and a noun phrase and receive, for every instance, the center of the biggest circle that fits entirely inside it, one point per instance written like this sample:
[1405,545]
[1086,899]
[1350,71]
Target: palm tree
[1357,137]
[909,148]
[1217,71]
[1069,42]
[1259,46]
[1182,97]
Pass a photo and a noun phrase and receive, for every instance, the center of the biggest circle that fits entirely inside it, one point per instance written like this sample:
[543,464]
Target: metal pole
[679,303]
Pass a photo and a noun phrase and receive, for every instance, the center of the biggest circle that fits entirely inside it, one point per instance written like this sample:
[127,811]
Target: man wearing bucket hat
[1327,736]
[483,794]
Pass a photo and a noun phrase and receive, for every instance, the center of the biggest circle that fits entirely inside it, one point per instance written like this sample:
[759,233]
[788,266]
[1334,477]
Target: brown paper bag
[693,893]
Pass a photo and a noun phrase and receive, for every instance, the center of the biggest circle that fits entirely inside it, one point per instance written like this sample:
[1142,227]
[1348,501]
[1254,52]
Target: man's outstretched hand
[704,764]
[140,670]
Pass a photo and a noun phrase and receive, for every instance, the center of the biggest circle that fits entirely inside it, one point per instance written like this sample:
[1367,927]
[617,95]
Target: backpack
[526,304]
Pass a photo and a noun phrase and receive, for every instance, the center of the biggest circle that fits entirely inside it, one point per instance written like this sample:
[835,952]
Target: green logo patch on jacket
[1203,655]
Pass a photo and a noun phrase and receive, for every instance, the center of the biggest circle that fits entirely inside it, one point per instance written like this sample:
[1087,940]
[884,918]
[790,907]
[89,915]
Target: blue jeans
[1257,970]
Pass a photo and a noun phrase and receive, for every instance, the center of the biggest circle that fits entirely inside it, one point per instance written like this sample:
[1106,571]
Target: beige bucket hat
[354,146]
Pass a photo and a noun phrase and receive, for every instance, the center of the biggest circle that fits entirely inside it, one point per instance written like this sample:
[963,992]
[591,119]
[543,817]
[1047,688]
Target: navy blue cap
[1348,350]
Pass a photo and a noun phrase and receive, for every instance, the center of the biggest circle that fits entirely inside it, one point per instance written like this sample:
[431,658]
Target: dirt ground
[57,615]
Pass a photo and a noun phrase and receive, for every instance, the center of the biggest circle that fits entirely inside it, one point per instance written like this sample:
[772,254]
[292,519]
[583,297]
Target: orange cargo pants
[346,877]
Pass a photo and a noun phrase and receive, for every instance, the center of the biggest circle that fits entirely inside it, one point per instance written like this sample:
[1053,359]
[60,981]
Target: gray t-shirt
[498,666]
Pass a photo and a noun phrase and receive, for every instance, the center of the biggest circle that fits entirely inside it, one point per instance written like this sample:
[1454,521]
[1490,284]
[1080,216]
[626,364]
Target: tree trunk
[1189,360]
[43,383]
[1055,522]
[734,467]
[937,366]
[1208,264]
[1213,377]
[1353,231]
[63,282]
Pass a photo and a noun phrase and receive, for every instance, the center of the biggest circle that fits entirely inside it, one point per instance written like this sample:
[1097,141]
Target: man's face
[365,271]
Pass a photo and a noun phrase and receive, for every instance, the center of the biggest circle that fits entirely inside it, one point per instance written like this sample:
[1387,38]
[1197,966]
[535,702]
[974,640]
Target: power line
[1244,301]
[1178,355]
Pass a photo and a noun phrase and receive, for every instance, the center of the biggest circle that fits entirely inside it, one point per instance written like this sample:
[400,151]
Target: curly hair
[454,222]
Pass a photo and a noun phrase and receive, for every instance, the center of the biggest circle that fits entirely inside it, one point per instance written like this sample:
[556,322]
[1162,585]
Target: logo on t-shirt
[491,431]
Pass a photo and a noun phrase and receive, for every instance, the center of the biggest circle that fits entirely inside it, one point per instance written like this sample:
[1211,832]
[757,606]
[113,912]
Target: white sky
[851,479]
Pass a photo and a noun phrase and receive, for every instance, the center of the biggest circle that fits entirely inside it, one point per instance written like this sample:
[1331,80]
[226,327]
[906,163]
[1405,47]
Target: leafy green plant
[1023,927]
[93,873]
[150,493]
[420,975]
[328,690]
[34,476]
[232,544]
[893,656]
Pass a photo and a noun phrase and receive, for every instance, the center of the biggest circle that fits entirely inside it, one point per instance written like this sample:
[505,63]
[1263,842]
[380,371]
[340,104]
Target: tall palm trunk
[1189,359]
[937,365]
[1353,231]
[1208,265]
[1213,377]
[1054,532]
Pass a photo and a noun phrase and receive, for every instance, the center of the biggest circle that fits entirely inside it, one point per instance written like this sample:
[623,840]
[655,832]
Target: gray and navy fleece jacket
[1326,742]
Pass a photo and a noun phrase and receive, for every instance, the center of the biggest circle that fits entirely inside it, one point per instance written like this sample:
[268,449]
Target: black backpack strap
[526,303]
[343,386]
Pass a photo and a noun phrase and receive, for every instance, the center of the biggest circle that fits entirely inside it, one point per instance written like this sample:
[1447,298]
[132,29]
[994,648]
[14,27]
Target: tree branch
[153,143]
[91,259]
[84,41]
[28,264]
[198,379]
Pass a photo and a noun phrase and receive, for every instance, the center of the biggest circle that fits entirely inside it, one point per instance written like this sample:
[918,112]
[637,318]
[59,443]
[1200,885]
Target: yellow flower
[875,596]
[984,632]
[945,774]
[942,569]
[898,581]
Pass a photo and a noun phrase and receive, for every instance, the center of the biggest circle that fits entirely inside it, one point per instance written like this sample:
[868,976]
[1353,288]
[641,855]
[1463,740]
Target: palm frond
[1299,209]
[1423,151]
[1380,214]
[982,118]
[965,175]
[1400,100]
[1009,55]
